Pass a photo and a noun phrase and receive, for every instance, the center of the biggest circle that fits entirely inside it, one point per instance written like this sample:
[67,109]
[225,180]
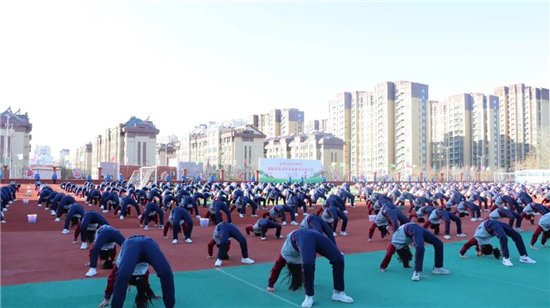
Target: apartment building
[524,117]
[412,127]
[279,122]
[83,158]
[485,131]
[223,146]
[451,131]
[131,143]
[15,142]
[339,124]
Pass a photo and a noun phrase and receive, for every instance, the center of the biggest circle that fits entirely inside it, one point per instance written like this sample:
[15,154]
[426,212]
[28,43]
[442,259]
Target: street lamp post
[446,147]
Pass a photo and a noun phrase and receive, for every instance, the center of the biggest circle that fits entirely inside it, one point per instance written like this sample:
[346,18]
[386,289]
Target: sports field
[42,268]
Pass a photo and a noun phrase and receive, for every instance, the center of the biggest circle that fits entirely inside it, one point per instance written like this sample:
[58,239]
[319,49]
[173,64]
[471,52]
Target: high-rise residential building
[339,124]
[131,143]
[485,131]
[373,131]
[451,132]
[359,133]
[15,142]
[524,117]
[292,121]
[311,126]
[64,159]
[412,127]
[279,122]
[83,159]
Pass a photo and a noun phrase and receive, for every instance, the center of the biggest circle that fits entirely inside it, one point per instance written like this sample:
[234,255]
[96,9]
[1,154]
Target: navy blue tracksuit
[138,249]
[106,234]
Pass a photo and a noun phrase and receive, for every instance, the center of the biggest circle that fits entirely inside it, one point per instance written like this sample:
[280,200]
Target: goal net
[143,177]
[504,177]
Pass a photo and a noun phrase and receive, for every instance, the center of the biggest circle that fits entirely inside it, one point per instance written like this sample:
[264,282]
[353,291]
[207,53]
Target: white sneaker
[121,217]
[39,205]
[57,219]
[415,276]
[91,272]
[345,212]
[519,229]
[146,228]
[343,233]
[65,231]
[53,213]
[105,211]
[198,216]
[263,238]
[139,217]
[294,223]
[188,241]
[533,247]
[3,221]
[308,302]
[440,271]
[526,259]
[241,215]
[174,241]
[84,246]
[447,237]
[461,235]
[254,215]
[341,297]
[507,262]
[284,223]
[218,262]
[247,261]
[463,256]
[334,234]
[473,219]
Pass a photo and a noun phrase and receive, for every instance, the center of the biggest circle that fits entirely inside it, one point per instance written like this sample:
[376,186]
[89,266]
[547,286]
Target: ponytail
[295,276]
[144,295]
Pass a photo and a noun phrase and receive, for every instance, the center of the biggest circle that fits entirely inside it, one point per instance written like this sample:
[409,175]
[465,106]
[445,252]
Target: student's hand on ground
[270,290]
[104,303]
[382,270]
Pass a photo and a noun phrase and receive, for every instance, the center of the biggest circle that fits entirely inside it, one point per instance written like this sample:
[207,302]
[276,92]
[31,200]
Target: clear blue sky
[79,67]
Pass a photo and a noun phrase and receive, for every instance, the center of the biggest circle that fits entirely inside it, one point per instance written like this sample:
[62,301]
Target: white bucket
[31,218]
[204,222]
[372,218]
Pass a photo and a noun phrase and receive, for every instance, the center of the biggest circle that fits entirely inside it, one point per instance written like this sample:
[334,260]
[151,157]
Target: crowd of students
[322,206]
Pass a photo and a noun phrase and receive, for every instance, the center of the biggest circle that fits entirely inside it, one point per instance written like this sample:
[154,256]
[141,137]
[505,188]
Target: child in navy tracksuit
[106,237]
[215,210]
[135,250]
[299,253]
[446,216]
[90,222]
[261,226]
[76,212]
[314,222]
[152,209]
[178,217]
[222,232]
[412,233]
[128,200]
[491,228]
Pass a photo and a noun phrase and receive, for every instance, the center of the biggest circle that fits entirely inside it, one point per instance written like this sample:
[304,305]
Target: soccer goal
[504,177]
[144,176]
